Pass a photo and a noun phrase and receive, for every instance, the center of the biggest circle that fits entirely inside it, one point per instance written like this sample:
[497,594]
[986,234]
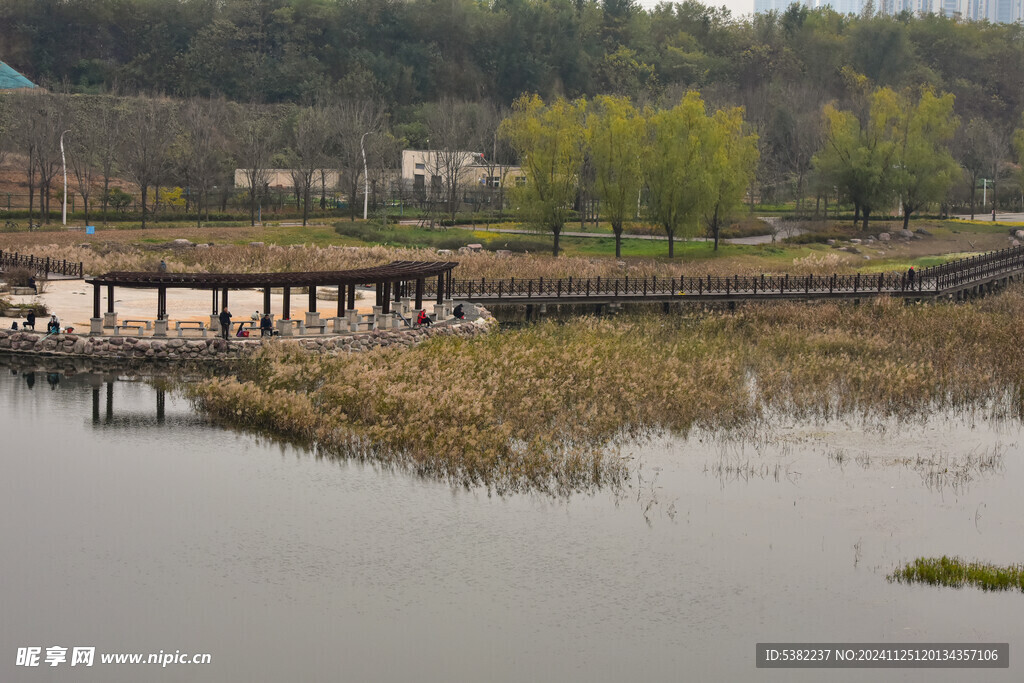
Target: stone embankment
[174,349]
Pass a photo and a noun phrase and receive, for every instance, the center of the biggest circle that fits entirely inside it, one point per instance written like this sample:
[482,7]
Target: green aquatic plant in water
[955,572]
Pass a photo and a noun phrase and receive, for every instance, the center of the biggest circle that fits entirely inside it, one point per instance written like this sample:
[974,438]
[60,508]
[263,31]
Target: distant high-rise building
[776,5]
[996,11]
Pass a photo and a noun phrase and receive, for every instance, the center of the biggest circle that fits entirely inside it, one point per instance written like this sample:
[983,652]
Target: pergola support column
[110,317]
[312,315]
[266,300]
[286,312]
[96,322]
[419,294]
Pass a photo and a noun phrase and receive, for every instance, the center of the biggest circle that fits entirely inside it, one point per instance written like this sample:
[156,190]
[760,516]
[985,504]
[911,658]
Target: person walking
[225,323]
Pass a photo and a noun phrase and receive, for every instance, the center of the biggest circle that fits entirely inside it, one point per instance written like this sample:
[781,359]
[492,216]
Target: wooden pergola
[393,280]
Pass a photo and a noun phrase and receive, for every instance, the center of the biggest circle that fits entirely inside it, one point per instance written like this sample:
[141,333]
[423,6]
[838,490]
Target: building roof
[396,271]
[12,80]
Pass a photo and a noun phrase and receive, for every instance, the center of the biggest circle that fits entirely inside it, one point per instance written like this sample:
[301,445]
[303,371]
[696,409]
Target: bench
[321,326]
[147,323]
[182,325]
[139,329]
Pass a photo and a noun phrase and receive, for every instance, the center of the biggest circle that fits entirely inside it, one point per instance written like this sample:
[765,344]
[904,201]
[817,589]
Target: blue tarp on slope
[12,80]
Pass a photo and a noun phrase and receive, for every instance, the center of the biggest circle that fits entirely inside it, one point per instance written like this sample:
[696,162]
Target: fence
[44,266]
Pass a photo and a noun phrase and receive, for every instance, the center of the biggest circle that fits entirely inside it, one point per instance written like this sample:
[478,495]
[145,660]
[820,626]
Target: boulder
[855,241]
[503,253]
[830,242]
[883,237]
[1019,234]
[905,234]
[181,243]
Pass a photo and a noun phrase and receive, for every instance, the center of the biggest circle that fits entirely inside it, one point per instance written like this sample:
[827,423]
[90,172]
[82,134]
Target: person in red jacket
[424,319]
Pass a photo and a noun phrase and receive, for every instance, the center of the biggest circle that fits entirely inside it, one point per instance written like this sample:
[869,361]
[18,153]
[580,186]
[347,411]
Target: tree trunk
[671,242]
[715,228]
[106,196]
[856,213]
[305,205]
[617,229]
[906,216]
[557,231]
[31,184]
[866,212]
[85,205]
[145,188]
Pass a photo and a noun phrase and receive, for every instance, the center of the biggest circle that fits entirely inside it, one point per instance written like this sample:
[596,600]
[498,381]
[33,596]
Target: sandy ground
[71,301]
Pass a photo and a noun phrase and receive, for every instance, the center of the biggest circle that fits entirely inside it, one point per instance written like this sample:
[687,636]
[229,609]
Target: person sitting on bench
[423,319]
[458,312]
[30,321]
[266,326]
[53,327]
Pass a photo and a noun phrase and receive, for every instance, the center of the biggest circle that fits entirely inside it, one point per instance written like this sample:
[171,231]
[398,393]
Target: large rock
[906,234]
[883,237]
[182,244]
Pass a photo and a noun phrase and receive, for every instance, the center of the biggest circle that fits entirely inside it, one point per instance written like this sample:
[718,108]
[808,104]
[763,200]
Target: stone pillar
[110,319]
[439,312]
[377,312]
[352,318]
[96,326]
[284,327]
[160,328]
[312,318]
[214,324]
[340,325]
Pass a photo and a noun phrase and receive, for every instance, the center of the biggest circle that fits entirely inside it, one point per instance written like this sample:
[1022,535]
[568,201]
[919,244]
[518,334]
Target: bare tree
[255,137]
[307,152]
[454,131]
[351,120]
[148,133]
[84,147]
[202,147]
[53,111]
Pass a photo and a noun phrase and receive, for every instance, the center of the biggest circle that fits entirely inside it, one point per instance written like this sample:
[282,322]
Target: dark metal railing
[43,266]
[933,279]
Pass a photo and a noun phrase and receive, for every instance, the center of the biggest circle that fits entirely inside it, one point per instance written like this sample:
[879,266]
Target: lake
[133,525]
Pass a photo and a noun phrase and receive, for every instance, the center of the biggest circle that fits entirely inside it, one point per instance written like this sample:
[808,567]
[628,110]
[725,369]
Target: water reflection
[134,418]
[154,530]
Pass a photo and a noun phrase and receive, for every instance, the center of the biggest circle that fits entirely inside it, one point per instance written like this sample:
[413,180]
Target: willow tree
[730,160]
[548,140]
[679,182]
[859,157]
[615,133]
[925,169]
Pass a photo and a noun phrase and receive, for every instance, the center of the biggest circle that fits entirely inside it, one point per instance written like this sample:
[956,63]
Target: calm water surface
[131,524]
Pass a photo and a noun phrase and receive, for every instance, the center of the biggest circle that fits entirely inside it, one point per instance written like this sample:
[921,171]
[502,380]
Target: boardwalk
[957,279]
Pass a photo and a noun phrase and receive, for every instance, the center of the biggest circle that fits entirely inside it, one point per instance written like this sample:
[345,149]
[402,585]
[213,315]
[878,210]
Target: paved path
[786,229]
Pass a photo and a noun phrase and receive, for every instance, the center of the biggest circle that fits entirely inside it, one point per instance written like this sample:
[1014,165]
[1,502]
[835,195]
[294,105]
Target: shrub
[18,277]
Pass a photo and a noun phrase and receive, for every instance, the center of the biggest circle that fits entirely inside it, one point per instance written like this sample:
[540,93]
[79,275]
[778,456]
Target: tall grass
[549,406]
[955,572]
[107,256]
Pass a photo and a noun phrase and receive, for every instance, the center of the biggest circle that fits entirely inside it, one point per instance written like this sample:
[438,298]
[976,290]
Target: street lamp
[64,163]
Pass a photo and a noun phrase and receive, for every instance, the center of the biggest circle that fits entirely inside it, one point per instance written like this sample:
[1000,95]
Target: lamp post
[64,213]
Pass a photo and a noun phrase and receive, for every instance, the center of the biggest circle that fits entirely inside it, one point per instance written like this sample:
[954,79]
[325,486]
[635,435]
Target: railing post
[856,282]
[499,287]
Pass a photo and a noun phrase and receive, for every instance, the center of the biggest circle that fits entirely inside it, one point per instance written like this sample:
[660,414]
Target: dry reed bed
[549,407]
[109,256]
